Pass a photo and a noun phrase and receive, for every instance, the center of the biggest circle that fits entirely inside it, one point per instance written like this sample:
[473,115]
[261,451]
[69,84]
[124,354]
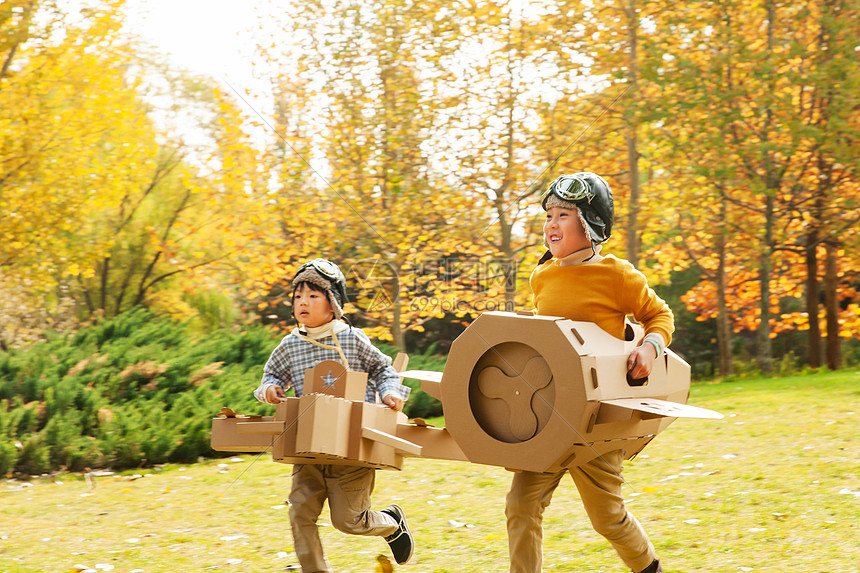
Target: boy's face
[311,307]
[563,232]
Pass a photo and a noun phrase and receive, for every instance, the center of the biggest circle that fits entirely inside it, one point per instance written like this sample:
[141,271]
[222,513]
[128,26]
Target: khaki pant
[599,483]
[348,490]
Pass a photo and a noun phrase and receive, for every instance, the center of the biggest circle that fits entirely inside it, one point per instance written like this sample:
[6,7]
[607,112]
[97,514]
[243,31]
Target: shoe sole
[401,522]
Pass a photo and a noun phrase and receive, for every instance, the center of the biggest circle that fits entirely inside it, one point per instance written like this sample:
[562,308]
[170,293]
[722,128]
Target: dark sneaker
[655,567]
[400,542]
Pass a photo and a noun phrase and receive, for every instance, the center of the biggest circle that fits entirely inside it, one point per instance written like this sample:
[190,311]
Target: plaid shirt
[288,362]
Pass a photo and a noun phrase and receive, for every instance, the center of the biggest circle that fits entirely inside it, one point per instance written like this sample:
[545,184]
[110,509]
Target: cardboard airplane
[520,391]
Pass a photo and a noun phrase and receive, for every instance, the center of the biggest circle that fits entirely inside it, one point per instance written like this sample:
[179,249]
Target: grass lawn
[773,487]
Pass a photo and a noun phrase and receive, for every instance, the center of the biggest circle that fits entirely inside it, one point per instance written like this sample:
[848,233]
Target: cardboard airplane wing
[524,392]
[664,408]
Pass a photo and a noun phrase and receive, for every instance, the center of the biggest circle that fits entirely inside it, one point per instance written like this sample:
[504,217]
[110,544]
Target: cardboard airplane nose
[543,393]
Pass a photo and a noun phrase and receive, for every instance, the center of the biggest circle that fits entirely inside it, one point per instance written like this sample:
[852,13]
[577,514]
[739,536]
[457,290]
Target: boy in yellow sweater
[575,281]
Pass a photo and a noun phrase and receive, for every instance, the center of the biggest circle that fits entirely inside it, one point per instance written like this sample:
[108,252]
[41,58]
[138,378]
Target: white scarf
[317,332]
[313,333]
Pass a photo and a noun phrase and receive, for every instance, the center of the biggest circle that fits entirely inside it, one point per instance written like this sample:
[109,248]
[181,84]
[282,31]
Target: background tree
[388,218]
[409,143]
[98,204]
[54,132]
[762,143]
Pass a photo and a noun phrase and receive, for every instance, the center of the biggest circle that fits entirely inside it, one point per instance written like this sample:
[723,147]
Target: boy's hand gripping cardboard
[524,392]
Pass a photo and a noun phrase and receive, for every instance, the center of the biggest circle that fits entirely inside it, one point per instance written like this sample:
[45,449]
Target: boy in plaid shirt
[318,298]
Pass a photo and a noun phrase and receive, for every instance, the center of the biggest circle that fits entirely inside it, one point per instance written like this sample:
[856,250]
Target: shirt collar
[584,256]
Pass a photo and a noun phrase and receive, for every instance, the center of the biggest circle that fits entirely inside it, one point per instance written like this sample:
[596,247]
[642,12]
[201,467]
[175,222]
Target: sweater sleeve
[648,309]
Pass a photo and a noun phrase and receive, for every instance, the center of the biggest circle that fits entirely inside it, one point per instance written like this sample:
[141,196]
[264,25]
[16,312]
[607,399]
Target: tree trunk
[765,358]
[508,262]
[630,135]
[812,294]
[509,267]
[398,337]
[724,327]
[633,200]
[831,303]
[771,179]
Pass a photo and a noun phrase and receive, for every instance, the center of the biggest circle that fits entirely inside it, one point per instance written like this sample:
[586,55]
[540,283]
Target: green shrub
[34,457]
[420,404]
[137,390]
[8,456]
[130,391]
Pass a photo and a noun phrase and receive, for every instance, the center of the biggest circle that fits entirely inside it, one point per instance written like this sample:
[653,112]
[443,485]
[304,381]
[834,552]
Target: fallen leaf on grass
[383,564]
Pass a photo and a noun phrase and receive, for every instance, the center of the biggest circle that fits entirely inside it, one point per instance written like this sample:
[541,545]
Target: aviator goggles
[326,268]
[567,188]
[329,271]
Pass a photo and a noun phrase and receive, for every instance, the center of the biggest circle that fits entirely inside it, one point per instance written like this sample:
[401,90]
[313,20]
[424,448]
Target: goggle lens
[570,189]
[326,268]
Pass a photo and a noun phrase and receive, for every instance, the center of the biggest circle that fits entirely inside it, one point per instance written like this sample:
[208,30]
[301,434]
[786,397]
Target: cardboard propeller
[520,391]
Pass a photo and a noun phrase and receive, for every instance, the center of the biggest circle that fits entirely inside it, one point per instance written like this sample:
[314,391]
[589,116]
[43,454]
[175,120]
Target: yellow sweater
[604,292]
